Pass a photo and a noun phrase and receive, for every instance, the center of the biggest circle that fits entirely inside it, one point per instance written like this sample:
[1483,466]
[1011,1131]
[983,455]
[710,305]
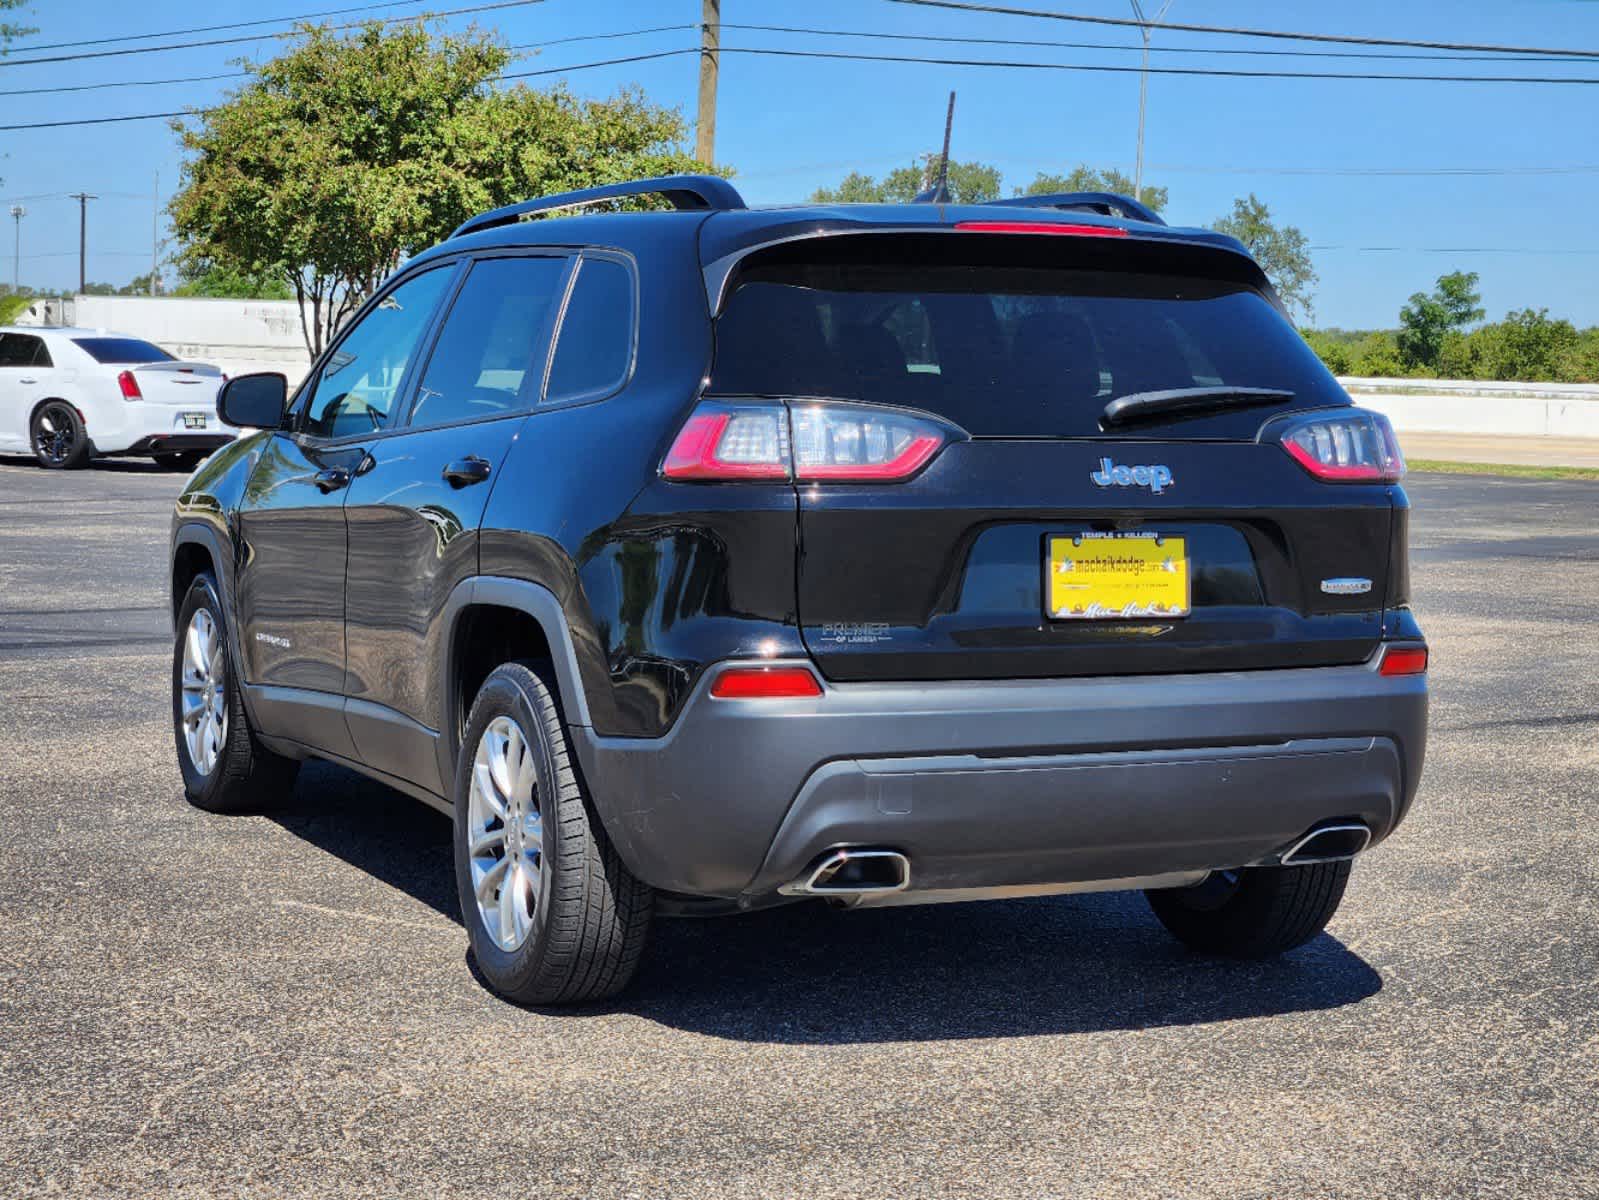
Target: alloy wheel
[54,436]
[505,833]
[204,706]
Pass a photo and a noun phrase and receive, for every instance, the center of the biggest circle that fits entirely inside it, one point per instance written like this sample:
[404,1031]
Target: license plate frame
[193,420]
[1123,575]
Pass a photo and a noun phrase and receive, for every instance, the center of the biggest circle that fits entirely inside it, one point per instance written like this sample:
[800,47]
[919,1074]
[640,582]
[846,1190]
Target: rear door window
[490,355]
[595,350]
[23,350]
[1008,351]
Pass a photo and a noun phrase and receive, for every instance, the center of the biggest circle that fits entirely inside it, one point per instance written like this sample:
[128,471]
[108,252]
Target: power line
[144,37]
[230,41]
[1453,250]
[1102,68]
[1246,51]
[1213,72]
[133,83]
[1232,31]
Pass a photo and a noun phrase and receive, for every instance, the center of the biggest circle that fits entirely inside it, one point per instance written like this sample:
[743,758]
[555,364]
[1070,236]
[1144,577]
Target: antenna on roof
[938,193]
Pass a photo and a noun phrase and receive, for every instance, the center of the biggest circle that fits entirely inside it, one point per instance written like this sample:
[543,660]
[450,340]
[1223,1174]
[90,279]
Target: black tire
[1257,912]
[179,460]
[589,918]
[57,436]
[246,776]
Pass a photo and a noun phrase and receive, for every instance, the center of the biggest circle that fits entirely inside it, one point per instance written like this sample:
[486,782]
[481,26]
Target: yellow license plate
[1101,576]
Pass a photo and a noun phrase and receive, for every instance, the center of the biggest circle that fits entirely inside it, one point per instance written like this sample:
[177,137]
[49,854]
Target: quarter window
[595,348]
[490,354]
[355,389]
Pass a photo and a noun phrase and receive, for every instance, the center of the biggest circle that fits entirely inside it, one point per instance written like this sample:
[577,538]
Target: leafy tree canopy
[1424,322]
[1283,252]
[348,153]
[226,283]
[1086,179]
[8,31]
[969,183]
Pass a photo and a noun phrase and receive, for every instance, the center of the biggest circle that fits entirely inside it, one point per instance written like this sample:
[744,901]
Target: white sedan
[67,394]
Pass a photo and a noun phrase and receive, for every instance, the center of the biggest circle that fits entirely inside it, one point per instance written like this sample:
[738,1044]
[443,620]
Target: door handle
[331,480]
[27,381]
[464,472]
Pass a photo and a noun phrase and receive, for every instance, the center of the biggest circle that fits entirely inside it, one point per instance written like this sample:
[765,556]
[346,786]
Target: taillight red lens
[1347,445]
[1403,660]
[129,386]
[730,443]
[1056,227]
[816,441]
[765,683]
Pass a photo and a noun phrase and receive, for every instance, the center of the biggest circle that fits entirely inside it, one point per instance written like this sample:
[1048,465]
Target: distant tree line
[1440,336]
[1283,251]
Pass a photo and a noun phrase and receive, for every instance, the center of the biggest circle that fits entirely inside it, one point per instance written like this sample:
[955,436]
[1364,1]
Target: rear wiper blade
[1139,406]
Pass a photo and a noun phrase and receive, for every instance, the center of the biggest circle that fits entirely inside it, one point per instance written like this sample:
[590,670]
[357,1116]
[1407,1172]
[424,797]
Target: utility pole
[83,199]
[710,44]
[1143,91]
[17,213]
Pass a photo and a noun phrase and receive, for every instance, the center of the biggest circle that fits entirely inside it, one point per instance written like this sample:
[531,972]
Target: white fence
[239,336]
[264,335]
[1471,406]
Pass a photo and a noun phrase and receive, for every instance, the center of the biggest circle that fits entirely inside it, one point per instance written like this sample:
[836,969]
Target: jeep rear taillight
[1345,445]
[813,440]
[129,386]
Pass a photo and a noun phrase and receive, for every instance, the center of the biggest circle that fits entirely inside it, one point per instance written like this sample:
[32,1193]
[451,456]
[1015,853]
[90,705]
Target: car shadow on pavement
[808,974]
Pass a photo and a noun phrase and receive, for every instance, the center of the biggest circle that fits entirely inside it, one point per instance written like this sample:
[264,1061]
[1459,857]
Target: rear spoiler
[1202,252]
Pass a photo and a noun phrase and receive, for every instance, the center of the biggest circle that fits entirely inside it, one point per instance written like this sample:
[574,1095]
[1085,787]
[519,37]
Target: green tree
[1282,251]
[99,289]
[347,153]
[1086,179]
[8,31]
[218,282]
[969,183]
[1425,321]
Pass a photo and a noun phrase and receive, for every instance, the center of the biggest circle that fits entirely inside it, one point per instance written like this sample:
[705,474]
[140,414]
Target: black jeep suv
[705,559]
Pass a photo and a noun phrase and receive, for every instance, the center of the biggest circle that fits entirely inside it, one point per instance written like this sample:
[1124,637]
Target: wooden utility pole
[83,199]
[710,43]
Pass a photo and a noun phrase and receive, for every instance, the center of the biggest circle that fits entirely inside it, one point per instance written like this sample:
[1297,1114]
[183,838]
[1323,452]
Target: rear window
[123,351]
[1010,351]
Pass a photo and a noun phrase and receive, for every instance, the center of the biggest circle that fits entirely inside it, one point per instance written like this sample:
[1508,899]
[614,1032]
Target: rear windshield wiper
[1140,406]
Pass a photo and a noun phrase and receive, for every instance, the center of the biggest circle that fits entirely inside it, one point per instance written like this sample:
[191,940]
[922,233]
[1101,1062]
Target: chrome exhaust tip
[853,872]
[1328,843]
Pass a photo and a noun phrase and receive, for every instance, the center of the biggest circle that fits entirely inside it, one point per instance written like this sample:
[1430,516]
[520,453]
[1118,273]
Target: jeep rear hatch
[1077,403]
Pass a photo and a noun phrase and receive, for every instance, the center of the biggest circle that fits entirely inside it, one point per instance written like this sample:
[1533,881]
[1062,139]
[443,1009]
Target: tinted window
[596,341]
[490,354]
[121,350]
[1007,351]
[355,389]
[23,350]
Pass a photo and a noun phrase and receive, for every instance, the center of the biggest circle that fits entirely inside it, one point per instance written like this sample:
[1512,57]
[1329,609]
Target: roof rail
[683,191]
[1108,203]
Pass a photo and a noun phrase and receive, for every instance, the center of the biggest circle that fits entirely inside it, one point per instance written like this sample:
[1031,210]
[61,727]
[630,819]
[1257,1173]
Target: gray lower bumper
[1014,782]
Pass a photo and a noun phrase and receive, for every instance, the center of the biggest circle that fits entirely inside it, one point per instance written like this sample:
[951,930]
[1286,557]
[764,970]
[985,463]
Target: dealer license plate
[1103,576]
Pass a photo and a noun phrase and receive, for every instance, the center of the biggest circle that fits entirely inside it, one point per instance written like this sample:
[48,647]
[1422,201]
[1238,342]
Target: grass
[1511,469]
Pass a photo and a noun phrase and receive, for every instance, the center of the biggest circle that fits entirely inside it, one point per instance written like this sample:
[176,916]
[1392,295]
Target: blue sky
[788,125]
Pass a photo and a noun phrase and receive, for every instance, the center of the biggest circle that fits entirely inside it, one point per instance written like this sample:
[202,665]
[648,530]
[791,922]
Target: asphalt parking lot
[281,1005]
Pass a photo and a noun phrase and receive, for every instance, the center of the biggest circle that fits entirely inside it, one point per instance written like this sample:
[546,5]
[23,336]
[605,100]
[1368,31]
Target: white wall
[239,336]
[1470,406]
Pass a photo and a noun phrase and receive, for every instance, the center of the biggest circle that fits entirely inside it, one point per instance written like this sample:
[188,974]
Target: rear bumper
[176,443]
[988,784]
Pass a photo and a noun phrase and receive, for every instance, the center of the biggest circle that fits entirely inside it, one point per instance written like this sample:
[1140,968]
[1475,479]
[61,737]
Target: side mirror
[254,401]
